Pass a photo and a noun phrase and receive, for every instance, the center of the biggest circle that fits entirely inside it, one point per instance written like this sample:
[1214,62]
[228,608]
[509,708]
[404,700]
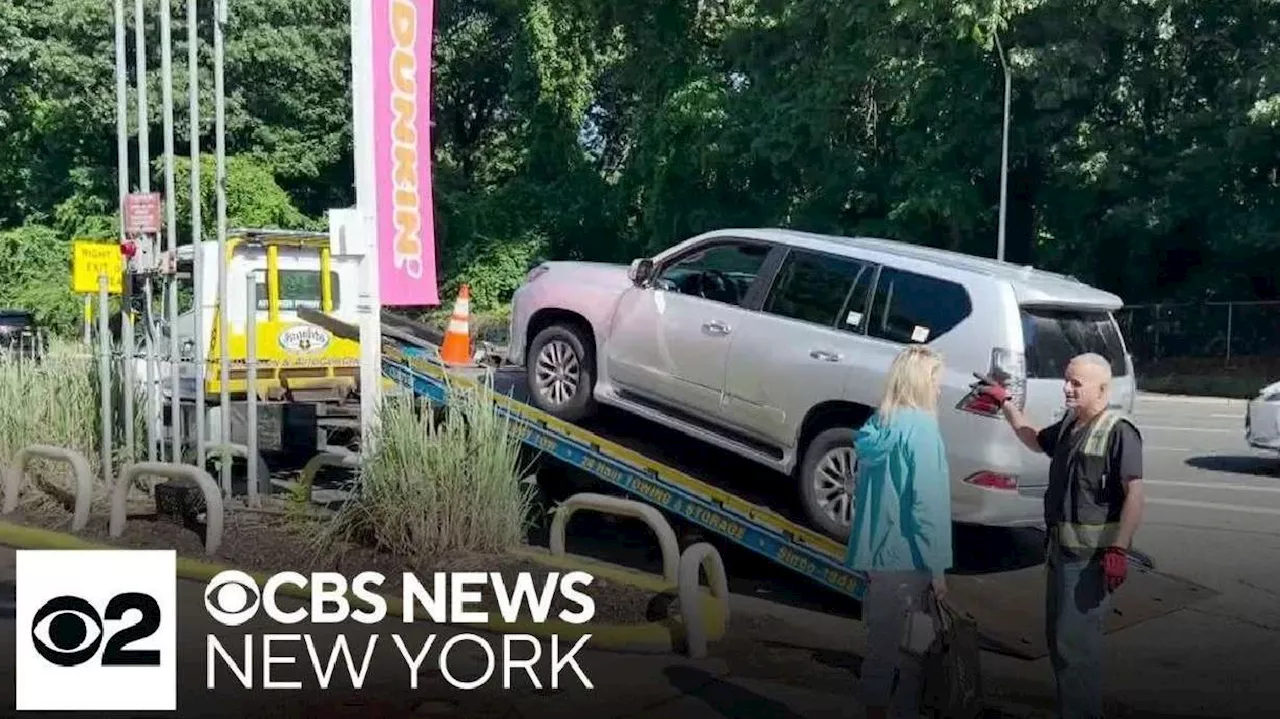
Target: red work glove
[991,389]
[1115,565]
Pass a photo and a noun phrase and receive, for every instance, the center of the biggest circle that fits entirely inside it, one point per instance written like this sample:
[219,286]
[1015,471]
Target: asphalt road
[1213,516]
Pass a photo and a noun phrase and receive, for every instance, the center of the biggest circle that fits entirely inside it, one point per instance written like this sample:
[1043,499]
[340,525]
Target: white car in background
[1262,419]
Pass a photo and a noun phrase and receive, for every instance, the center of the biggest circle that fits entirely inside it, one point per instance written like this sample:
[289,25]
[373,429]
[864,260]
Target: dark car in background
[20,335]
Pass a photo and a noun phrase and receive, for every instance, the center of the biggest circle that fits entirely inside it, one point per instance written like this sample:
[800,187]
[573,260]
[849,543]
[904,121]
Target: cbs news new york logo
[96,630]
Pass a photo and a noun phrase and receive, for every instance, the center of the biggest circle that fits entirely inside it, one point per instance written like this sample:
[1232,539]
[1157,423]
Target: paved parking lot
[1213,516]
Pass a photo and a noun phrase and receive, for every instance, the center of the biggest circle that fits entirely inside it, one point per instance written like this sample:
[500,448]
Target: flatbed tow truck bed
[691,486]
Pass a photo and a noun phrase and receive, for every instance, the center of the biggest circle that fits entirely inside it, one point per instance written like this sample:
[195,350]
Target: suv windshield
[1054,336]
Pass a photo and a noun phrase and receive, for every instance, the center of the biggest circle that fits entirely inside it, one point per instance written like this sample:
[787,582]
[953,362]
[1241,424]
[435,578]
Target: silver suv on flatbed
[774,344]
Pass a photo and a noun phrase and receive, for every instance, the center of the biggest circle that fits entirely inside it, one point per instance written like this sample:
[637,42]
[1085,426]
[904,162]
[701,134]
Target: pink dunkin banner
[401,68]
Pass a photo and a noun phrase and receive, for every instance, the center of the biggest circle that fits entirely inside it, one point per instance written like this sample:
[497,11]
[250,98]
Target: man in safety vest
[1092,508]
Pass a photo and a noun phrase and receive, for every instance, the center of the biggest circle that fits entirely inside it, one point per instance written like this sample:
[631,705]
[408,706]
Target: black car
[20,336]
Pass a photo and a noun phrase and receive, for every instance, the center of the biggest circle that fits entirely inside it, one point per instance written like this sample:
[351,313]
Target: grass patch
[57,401]
[440,480]
[54,401]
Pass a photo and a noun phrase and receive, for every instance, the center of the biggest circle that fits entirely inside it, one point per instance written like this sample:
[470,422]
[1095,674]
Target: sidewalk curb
[1190,398]
[664,637]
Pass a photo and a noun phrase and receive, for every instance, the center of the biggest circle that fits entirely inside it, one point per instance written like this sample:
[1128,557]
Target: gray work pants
[1076,608]
[889,600]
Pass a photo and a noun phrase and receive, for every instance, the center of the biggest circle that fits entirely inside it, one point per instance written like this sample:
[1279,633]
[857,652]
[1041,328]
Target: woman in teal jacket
[901,533]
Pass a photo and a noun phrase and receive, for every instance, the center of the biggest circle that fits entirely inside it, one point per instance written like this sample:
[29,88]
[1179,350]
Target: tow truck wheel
[561,373]
[829,481]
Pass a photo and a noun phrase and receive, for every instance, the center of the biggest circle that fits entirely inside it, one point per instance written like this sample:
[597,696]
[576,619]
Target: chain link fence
[1229,331]
[1216,348]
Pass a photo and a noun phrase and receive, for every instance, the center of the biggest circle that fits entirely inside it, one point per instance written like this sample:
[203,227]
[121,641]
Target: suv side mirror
[641,271]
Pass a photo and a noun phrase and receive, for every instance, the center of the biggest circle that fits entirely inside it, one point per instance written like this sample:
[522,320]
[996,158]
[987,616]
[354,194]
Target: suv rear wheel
[829,482]
[561,373]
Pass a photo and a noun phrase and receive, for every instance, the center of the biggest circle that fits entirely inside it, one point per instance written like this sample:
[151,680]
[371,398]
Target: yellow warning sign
[91,258]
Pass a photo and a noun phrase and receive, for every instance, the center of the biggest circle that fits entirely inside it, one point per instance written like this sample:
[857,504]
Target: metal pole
[122,173]
[224,324]
[152,382]
[129,352]
[366,189]
[1004,152]
[251,391]
[1230,313]
[88,319]
[171,244]
[197,259]
[122,132]
[104,378]
[140,68]
[144,179]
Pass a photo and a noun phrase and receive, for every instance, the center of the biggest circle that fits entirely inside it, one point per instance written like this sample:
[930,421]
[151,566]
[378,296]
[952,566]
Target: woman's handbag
[920,630]
[951,671]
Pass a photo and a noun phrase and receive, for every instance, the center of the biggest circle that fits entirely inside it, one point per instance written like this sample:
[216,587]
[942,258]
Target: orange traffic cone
[457,337]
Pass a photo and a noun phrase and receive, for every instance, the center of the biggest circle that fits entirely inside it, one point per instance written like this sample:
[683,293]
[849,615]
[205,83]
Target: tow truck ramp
[1007,606]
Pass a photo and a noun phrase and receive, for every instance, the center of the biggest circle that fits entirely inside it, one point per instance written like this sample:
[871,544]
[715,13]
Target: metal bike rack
[327,458]
[212,451]
[214,512]
[79,467]
[626,508]
[695,558]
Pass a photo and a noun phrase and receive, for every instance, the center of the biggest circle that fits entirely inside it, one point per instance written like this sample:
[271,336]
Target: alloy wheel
[834,481]
[558,372]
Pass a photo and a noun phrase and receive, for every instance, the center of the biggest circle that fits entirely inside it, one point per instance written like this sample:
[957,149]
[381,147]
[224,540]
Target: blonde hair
[913,379]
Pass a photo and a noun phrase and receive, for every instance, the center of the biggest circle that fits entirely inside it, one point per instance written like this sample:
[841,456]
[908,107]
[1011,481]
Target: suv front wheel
[829,482]
[560,370]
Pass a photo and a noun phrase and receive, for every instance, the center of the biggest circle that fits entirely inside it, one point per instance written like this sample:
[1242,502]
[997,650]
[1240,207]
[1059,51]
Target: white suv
[774,344]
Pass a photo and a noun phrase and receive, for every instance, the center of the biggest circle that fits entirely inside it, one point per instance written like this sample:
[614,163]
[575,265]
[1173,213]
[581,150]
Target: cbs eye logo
[232,598]
[69,631]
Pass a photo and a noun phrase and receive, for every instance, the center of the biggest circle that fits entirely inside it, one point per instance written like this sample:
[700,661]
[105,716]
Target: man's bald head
[1087,385]
[1094,362]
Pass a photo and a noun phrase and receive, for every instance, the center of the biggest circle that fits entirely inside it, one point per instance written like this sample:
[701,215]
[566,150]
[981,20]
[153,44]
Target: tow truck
[307,380]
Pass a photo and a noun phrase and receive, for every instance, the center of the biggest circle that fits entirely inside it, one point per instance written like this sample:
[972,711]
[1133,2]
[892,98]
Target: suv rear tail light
[992,480]
[1010,369]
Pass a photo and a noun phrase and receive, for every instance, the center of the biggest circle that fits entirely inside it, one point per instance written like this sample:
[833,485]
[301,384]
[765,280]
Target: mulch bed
[269,543]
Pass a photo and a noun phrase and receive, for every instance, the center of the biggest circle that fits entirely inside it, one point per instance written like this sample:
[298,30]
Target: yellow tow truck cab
[306,376]
[291,271]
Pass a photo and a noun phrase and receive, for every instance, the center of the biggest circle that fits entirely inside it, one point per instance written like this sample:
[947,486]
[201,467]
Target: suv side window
[914,308]
[826,290]
[722,271]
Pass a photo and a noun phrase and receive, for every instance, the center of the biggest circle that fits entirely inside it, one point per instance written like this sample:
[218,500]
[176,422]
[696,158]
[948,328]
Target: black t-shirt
[1092,492]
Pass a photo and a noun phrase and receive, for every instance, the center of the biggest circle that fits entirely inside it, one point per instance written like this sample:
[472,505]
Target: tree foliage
[1144,149]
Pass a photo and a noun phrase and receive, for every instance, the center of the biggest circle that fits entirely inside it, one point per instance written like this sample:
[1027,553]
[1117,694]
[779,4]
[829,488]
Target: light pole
[1004,150]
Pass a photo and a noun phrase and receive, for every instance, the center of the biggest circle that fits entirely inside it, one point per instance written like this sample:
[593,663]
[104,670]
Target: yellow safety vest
[1087,534]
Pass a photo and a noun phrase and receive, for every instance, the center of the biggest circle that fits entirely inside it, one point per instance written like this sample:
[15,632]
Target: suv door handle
[716,327]
[824,355]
